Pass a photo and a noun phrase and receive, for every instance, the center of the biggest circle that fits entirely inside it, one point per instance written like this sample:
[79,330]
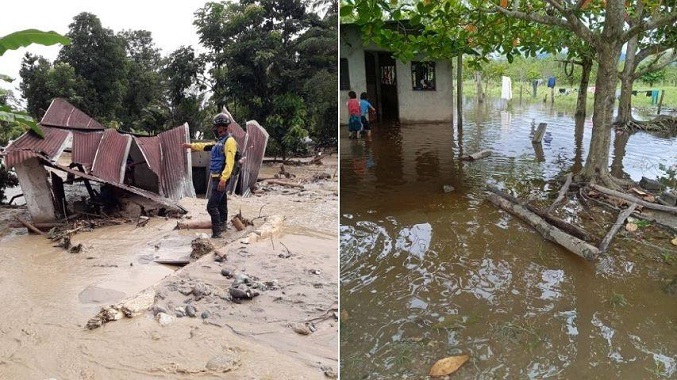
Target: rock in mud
[650,184]
[228,361]
[164,319]
[242,292]
[301,328]
[227,273]
[205,314]
[201,247]
[191,311]
[139,303]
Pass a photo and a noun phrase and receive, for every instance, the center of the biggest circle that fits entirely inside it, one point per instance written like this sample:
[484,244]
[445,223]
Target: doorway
[381,79]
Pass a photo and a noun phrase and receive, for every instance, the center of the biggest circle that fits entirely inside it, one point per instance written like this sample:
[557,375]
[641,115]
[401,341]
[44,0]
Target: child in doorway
[354,123]
[365,107]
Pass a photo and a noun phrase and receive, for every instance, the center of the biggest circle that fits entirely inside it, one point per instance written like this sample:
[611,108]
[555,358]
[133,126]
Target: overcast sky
[170,24]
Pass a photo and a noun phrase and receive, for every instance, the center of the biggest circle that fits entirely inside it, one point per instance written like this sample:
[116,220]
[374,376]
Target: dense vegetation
[271,61]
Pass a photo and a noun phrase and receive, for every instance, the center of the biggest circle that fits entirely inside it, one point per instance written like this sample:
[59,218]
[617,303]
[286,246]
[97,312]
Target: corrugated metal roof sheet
[29,145]
[111,157]
[84,148]
[135,190]
[150,148]
[177,173]
[62,114]
[254,150]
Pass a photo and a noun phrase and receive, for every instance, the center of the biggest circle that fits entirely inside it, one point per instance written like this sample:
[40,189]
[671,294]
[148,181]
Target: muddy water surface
[427,274]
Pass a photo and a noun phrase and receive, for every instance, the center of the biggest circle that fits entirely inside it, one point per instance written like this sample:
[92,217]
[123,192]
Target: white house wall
[414,106]
[37,192]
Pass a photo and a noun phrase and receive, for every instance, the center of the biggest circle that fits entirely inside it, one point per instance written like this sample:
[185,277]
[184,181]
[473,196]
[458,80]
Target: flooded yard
[428,273]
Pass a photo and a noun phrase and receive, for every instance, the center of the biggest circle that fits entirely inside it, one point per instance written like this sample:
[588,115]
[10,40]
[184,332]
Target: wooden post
[538,136]
[552,95]
[660,102]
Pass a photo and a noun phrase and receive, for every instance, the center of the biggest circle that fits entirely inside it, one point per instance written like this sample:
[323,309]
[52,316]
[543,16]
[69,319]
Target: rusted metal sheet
[172,206]
[177,173]
[62,114]
[30,145]
[84,147]
[111,157]
[150,148]
[254,150]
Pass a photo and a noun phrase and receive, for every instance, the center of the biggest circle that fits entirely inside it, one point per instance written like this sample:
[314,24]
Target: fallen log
[283,183]
[562,193]
[477,156]
[640,202]
[30,226]
[194,224]
[555,221]
[616,226]
[549,232]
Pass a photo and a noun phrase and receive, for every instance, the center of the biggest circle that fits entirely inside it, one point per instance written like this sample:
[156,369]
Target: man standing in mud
[221,167]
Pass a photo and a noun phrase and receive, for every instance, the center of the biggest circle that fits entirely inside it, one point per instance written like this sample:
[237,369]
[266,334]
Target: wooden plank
[540,131]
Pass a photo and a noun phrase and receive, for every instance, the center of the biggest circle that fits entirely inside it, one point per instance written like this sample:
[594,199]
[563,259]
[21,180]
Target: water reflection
[427,273]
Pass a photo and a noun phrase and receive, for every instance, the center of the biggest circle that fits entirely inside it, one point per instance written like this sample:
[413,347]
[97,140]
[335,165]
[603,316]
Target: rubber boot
[216,232]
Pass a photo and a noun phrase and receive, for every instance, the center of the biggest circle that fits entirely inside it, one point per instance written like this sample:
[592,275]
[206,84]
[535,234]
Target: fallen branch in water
[630,198]
[29,226]
[549,232]
[614,229]
[561,194]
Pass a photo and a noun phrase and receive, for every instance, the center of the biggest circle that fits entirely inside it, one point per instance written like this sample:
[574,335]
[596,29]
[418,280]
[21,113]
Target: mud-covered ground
[194,325]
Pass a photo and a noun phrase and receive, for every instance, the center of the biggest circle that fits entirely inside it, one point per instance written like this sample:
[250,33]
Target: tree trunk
[627,80]
[597,162]
[581,101]
[478,83]
[459,86]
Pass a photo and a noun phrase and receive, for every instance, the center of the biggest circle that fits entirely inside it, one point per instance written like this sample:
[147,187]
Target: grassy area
[569,100]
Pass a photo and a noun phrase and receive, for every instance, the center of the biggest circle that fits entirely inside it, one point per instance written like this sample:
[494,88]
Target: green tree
[185,86]
[646,55]
[285,124]
[98,57]
[255,55]
[143,90]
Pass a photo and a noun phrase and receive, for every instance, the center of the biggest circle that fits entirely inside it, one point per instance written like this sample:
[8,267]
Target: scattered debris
[201,246]
[477,156]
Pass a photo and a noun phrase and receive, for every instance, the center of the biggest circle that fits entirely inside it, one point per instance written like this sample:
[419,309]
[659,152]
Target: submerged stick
[562,193]
[616,226]
[614,229]
[549,232]
[477,156]
[640,202]
[29,226]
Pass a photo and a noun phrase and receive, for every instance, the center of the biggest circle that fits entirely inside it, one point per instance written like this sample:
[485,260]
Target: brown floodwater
[427,274]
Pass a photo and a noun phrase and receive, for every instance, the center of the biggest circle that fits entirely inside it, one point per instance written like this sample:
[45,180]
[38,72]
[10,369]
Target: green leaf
[27,37]
[397,15]
[347,10]
[6,78]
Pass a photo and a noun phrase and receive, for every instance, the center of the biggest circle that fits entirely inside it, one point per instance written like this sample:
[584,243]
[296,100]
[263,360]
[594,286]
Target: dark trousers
[217,207]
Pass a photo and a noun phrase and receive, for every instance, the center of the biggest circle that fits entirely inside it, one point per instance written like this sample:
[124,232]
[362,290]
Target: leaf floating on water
[448,365]
[631,227]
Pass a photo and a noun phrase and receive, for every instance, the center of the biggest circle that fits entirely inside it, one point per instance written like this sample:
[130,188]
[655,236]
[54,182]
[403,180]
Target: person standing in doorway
[354,123]
[221,165]
[365,107]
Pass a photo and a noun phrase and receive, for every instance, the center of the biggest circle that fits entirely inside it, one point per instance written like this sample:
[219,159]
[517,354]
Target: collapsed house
[156,168]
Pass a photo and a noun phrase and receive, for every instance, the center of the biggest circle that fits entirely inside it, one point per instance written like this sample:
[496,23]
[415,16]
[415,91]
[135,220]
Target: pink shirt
[353,107]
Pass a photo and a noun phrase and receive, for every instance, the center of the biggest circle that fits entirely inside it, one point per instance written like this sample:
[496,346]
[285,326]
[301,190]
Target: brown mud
[50,294]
